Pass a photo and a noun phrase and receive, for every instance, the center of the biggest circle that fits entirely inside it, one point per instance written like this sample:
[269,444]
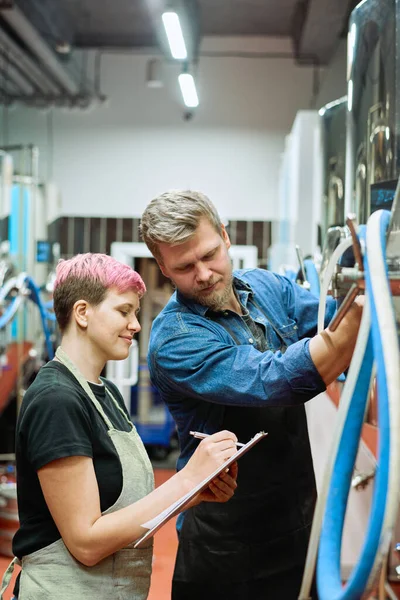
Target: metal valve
[355,287]
[305,283]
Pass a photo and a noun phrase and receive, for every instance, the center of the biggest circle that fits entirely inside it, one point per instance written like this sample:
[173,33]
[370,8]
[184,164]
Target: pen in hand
[201,436]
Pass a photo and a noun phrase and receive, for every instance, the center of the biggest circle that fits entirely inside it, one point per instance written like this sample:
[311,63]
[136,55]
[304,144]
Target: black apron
[254,546]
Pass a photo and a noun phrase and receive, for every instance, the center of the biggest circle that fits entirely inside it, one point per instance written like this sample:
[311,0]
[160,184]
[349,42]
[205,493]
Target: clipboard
[155,524]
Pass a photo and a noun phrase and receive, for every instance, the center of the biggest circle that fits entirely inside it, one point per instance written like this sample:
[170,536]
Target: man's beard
[216,300]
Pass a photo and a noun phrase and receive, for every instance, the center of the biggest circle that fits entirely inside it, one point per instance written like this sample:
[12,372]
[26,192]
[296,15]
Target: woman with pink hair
[85,483]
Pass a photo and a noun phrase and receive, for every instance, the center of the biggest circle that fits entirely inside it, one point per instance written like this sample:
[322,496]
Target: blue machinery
[377,346]
[12,295]
[370,122]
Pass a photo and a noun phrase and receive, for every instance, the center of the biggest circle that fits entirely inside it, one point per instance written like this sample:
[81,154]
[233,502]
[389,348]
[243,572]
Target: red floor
[165,544]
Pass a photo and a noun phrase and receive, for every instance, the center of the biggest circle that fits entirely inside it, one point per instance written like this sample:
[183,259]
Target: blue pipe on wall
[35,297]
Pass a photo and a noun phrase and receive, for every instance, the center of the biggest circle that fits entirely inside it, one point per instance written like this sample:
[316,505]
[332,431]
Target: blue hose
[312,276]
[48,307]
[7,316]
[328,569]
[35,297]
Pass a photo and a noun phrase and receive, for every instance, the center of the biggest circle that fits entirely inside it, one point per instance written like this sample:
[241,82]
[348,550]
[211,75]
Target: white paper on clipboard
[155,524]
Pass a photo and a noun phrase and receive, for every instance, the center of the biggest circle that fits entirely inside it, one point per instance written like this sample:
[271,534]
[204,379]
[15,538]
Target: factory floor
[165,545]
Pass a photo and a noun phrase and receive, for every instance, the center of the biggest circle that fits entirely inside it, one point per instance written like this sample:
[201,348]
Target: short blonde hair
[173,218]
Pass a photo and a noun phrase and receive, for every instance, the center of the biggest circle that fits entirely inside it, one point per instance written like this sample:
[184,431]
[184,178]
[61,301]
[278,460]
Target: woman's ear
[80,313]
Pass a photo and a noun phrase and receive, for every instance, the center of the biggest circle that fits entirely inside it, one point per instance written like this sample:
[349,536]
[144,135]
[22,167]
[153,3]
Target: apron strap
[7,576]
[65,360]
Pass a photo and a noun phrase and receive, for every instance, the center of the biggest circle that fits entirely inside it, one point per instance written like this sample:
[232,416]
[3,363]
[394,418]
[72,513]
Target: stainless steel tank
[373,128]
[373,107]
[333,126]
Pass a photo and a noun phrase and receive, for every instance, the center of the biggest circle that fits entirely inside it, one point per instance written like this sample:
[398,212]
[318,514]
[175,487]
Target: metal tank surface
[373,124]
[333,138]
[373,139]
[333,125]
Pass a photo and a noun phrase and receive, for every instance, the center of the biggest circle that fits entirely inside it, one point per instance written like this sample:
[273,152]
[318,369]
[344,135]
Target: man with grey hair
[239,351]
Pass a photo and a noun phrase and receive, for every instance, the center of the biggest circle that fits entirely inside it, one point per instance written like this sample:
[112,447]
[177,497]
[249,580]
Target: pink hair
[102,269]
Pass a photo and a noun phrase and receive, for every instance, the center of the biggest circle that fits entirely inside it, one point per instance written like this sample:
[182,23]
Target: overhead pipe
[33,40]
[14,75]
[28,66]
[43,101]
[8,88]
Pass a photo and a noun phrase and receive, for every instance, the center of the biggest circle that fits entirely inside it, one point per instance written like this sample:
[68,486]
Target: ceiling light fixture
[188,89]
[174,33]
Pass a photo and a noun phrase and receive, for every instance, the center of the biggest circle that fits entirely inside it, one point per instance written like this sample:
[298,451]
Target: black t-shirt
[57,419]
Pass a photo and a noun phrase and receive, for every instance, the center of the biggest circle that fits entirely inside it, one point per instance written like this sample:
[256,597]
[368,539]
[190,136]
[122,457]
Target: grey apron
[52,572]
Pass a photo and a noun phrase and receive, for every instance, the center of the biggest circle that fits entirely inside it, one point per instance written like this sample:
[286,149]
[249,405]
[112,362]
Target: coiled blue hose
[328,569]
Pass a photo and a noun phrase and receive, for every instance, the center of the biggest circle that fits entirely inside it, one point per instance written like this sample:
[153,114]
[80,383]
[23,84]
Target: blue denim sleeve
[302,306]
[200,364]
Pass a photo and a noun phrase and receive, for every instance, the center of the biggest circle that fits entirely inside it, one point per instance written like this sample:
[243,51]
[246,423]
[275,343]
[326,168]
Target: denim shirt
[202,361]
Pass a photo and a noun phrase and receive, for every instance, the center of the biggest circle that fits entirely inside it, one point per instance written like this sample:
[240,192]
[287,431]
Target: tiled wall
[94,234]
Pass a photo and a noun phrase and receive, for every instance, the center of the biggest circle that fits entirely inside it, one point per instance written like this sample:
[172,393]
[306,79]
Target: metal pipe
[301,262]
[350,220]
[43,101]
[353,276]
[27,65]
[33,40]
[12,73]
[9,89]
[16,147]
[344,307]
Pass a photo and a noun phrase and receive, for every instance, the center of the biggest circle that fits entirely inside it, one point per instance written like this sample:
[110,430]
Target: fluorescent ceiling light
[188,89]
[174,34]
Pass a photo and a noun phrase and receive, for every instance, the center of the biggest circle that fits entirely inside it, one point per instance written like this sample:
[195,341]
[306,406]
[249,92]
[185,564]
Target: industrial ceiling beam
[7,88]
[26,64]
[318,27]
[17,20]
[53,17]
[114,40]
[42,101]
[10,72]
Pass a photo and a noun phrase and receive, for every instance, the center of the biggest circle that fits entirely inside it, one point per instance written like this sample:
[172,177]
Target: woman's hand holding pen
[211,453]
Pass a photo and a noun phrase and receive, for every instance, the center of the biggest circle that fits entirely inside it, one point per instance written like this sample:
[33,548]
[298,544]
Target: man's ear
[225,236]
[80,313]
[163,270]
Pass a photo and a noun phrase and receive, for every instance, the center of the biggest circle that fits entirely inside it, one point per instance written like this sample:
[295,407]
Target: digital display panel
[44,252]
[382,195]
